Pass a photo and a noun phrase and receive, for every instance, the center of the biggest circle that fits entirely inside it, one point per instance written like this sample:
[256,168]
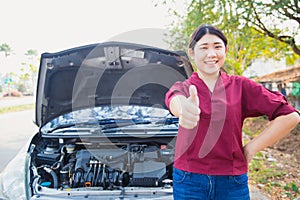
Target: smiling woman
[211,106]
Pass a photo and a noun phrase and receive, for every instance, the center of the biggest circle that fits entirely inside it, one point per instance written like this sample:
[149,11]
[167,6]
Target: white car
[104,129]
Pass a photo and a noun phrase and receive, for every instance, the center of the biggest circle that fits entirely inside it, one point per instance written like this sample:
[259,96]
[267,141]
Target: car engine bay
[84,163]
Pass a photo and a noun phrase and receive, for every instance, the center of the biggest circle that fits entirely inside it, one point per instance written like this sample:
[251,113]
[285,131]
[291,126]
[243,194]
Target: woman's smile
[209,55]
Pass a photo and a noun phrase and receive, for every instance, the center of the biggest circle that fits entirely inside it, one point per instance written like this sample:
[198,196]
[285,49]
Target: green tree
[32,68]
[279,19]
[33,56]
[24,78]
[6,49]
[245,42]
[31,53]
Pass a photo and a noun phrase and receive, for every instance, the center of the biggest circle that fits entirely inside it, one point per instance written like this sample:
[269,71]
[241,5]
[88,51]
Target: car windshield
[109,117]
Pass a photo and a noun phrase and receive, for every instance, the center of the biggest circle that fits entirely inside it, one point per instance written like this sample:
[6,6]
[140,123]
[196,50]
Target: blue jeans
[187,185]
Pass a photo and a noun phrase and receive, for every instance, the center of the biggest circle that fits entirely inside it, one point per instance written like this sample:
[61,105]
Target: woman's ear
[226,49]
[191,53]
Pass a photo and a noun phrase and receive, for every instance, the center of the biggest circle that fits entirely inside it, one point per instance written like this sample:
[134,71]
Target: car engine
[73,163]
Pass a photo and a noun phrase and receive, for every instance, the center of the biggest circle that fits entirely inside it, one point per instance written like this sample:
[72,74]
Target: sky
[51,26]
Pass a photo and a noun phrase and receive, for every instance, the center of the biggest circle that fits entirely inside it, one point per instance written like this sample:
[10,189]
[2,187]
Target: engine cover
[148,173]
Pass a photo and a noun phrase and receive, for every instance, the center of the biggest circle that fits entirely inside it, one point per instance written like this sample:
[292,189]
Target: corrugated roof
[282,76]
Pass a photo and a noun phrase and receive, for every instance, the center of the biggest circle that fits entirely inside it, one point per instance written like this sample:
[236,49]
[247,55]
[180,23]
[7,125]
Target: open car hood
[111,73]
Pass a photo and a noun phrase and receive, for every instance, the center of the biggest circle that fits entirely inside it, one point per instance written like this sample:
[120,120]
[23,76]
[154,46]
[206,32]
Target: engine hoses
[53,175]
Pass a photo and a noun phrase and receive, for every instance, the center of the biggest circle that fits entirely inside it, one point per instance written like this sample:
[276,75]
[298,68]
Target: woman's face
[209,54]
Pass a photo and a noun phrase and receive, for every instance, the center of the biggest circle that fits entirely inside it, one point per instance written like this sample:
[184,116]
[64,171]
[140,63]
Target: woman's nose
[211,52]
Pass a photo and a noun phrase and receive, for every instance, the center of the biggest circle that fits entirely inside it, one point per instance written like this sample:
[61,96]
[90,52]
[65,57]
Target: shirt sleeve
[179,88]
[258,101]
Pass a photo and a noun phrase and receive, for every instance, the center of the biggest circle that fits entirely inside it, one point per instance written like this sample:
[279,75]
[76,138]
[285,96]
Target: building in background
[286,81]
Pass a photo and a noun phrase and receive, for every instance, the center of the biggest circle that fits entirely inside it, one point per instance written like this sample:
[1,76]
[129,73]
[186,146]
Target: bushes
[14,93]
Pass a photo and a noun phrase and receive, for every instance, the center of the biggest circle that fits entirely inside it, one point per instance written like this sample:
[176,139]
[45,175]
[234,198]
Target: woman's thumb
[194,95]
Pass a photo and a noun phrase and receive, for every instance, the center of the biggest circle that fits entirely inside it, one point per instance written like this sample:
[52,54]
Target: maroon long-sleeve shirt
[215,146]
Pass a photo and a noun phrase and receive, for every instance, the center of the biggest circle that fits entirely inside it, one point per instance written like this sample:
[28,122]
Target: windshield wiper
[157,125]
[69,125]
[118,123]
[104,123]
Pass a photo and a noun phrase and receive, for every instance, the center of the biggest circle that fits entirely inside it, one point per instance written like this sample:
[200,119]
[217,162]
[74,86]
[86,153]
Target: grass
[270,177]
[17,108]
[261,172]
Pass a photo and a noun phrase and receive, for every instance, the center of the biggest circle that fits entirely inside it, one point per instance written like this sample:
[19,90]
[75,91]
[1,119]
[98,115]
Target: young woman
[210,160]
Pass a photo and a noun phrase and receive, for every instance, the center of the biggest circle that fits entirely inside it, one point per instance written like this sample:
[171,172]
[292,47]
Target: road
[15,130]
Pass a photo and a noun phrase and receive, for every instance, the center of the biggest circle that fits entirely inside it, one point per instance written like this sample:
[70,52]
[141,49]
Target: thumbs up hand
[187,109]
[193,98]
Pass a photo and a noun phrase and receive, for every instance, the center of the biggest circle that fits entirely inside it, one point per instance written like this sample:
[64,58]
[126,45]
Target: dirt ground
[281,163]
